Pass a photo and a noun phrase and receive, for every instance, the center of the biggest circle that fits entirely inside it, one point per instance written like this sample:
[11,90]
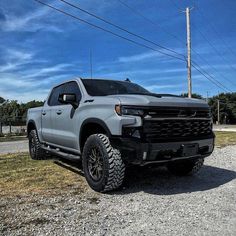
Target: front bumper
[136,152]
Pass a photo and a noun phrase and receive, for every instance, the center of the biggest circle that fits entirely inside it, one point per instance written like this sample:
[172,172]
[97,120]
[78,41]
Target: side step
[65,155]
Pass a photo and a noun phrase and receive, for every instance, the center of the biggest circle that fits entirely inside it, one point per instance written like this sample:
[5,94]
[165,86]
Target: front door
[64,119]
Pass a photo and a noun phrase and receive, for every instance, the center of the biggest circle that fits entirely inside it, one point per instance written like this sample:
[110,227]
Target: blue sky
[40,47]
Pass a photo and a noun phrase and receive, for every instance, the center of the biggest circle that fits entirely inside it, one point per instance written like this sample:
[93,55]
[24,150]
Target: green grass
[225,138]
[21,175]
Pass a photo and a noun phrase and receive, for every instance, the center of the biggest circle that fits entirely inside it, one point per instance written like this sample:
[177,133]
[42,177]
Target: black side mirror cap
[68,98]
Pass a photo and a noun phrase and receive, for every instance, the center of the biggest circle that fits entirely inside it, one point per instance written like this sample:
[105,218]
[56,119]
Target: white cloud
[148,55]
[29,22]
[39,94]
[139,57]
[44,19]
[138,72]
[14,59]
[160,87]
[47,70]
[16,82]
[18,88]
[12,54]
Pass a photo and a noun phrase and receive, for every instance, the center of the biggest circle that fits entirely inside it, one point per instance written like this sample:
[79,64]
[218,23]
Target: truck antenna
[91,63]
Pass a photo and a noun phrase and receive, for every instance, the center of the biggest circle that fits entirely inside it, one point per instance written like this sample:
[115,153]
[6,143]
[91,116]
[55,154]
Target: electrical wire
[212,67]
[140,14]
[216,32]
[213,47]
[119,27]
[136,12]
[210,78]
[108,31]
[217,83]
[218,53]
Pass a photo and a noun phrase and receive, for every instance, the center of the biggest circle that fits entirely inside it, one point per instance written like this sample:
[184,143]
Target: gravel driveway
[153,202]
[14,146]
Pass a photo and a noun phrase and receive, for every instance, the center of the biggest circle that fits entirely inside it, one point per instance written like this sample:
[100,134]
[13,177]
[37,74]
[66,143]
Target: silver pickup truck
[110,124]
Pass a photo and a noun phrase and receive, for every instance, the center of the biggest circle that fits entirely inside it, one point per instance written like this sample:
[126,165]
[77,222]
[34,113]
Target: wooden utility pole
[218,111]
[207,97]
[189,52]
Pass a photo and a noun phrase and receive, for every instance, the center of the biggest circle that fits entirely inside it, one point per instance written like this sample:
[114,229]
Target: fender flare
[31,122]
[94,121]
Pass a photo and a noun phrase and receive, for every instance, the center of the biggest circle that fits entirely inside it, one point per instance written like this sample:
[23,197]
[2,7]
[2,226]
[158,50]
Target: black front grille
[156,130]
[172,112]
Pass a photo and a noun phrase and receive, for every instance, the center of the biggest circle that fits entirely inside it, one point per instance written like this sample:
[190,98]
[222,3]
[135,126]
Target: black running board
[65,155]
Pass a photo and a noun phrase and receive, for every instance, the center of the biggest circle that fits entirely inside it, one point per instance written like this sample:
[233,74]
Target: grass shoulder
[225,138]
[21,175]
[9,138]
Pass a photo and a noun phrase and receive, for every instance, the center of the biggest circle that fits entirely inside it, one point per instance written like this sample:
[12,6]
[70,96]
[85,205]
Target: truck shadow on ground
[158,181]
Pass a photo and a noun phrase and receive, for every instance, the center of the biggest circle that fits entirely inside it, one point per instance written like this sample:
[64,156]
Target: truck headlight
[123,110]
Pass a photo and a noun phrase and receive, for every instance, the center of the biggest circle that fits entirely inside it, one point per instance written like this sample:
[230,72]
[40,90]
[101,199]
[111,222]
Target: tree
[15,113]
[2,100]
[227,107]
[194,95]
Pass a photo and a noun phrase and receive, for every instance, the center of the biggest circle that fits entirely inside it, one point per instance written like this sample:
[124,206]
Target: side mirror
[68,98]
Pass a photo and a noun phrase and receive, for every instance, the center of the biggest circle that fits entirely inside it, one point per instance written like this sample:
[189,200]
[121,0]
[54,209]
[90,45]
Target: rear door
[64,119]
[46,123]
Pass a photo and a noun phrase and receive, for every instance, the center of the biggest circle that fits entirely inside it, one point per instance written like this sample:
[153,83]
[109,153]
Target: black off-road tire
[183,168]
[35,150]
[112,169]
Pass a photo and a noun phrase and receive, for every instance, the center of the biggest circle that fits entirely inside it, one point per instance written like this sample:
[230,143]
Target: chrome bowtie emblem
[182,113]
[194,114]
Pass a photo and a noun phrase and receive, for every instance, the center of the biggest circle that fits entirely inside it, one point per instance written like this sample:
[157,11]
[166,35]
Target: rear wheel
[103,166]
[35,150]
[183,168]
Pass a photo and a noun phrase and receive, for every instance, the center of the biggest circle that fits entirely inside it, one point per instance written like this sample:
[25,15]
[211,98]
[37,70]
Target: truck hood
[163,100]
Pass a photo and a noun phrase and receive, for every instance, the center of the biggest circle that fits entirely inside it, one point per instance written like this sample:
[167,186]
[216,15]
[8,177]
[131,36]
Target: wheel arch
[91,126]
[30,126]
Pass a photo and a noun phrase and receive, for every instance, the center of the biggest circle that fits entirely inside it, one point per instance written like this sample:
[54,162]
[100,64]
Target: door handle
[58,112]
[44,113]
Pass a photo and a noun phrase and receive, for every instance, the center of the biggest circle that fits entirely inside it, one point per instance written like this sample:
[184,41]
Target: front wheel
[103,166]
[188,167]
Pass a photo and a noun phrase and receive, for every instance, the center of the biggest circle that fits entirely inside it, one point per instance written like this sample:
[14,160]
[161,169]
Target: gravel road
[153,202]
[14,146]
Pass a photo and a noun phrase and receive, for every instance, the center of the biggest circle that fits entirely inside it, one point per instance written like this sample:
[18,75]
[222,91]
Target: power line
[218,53]
[127,39]
[216,32]
[222,85]
[212,46]
[147,19]
[210,66]
[210,78]
[108,31]
[119,27]
[136,12]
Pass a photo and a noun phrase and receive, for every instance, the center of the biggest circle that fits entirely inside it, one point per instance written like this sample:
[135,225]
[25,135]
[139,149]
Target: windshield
[97,87]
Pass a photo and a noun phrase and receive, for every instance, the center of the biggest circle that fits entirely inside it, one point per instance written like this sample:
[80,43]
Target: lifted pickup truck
[110,124]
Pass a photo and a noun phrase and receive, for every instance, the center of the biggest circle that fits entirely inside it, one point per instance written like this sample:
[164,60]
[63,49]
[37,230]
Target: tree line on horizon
[15,113]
